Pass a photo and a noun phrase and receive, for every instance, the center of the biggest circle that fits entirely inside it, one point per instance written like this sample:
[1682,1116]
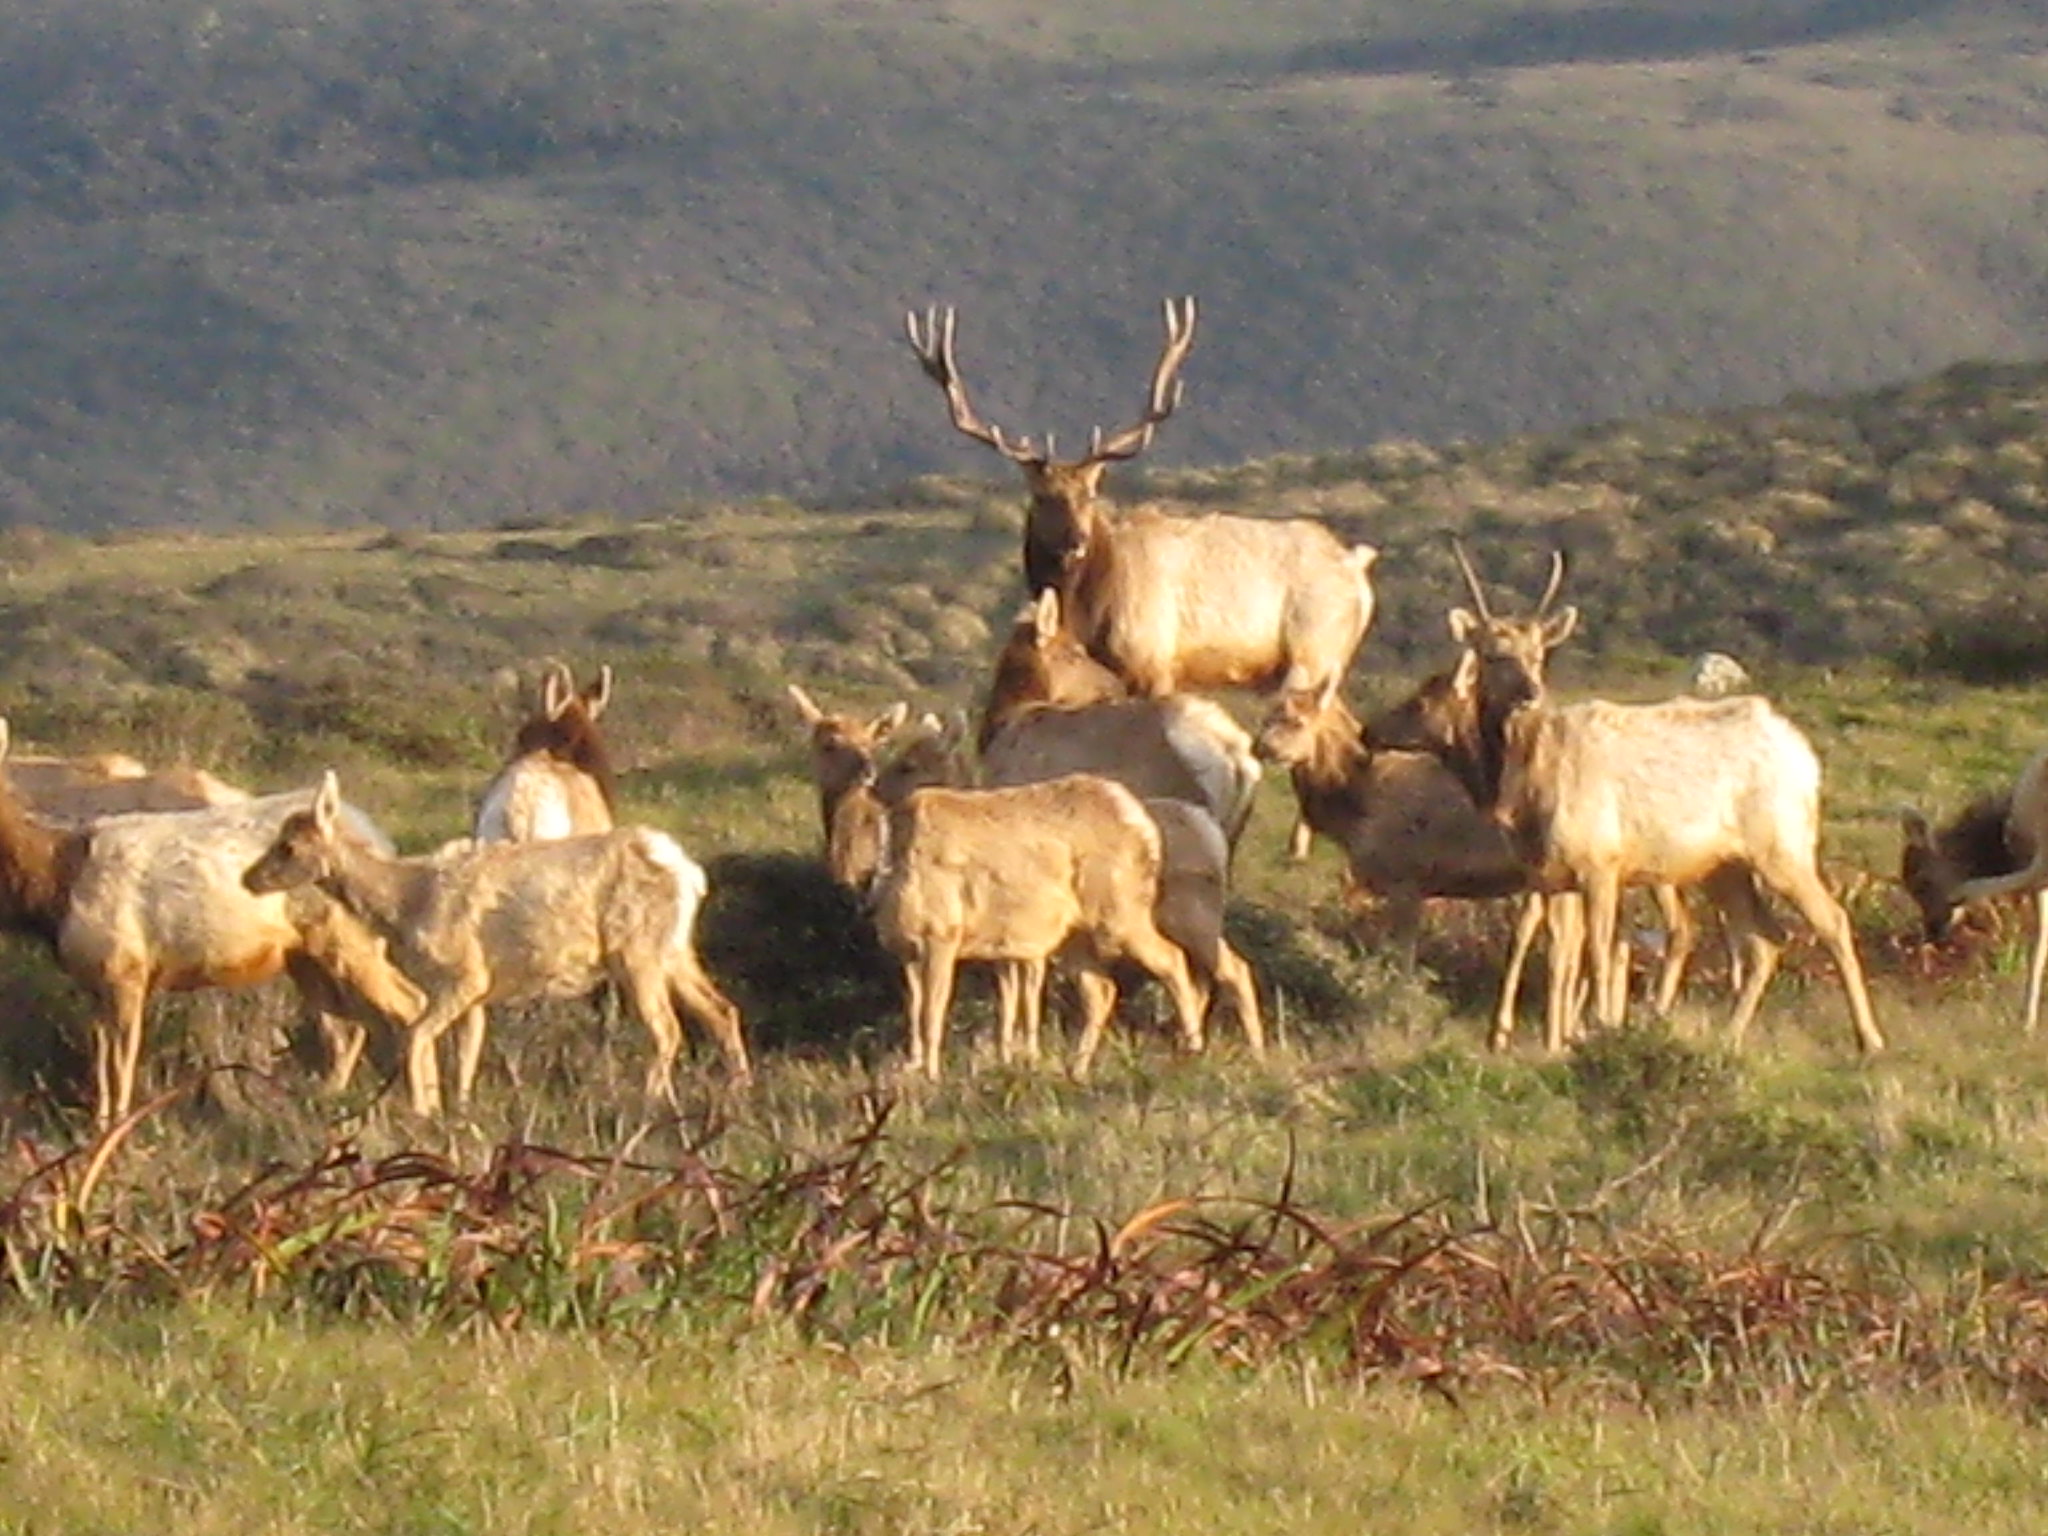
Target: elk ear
[1464,625]
[1045,615]
[810,711]
[1363,556]
[598,692]
[889,722]
[327,803]
[5,738]
[1465,675]
[1558,628]
[1917,833]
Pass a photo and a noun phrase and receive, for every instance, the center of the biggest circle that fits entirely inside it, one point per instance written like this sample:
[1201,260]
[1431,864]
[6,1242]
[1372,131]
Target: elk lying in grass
[77,790]
[1052,710]
[1998,846]
[1016,876]
[856,792]
[1172,603]
[481,923]
[141,904]
[559,781]
[1720,793]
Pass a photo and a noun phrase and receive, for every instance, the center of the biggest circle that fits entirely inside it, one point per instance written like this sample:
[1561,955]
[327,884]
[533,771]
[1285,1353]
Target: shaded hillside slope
[612,260]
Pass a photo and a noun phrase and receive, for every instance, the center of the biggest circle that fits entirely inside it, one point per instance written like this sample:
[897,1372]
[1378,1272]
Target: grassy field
[1379,1273]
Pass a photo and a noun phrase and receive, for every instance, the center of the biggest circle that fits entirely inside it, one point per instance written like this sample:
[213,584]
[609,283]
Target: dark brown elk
[1997,846]
[559,782]
[1720,793]
[136,905]
[1172,604]
[1052,710]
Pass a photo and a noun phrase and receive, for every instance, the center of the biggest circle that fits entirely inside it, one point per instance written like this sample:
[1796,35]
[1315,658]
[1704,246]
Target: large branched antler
[1166,389]
[931,338]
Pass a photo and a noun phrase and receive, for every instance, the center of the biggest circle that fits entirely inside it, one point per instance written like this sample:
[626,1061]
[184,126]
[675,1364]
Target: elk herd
[1086,825]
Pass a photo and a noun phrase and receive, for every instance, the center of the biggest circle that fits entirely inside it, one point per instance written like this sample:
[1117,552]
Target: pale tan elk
[1170,603]
[1016,876]
[141,904]
[1997,846]
[481,923]
[1720,793]
[559,781]
[76,790]
[1050,711]
[856,791]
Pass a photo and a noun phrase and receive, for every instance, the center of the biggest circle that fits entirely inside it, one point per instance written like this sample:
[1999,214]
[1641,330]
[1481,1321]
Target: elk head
[1935,862]
[1063,521]
[843,748]
[1043,663]
[1511,653]
[304,848]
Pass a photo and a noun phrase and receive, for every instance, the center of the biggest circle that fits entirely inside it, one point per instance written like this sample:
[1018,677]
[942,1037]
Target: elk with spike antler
[1171,603]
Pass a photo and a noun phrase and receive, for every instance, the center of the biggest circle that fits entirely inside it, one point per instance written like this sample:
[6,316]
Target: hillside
[460,266]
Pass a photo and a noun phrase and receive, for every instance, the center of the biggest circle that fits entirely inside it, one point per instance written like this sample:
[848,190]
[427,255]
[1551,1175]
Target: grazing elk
[1172,603]
[1997,846]
[480,923]
[559,781]
[140,904]
[1721,793]
[76,790]
[1053,710]
[1017,875]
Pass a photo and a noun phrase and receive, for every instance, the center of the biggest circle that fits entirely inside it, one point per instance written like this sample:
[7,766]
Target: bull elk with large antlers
[1171,603]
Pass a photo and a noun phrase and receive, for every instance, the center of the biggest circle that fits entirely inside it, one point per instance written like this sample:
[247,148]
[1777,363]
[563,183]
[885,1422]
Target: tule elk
[479,923]
[1172,603]
[1049,712]
[559,781]
[1997,846]
[146,903]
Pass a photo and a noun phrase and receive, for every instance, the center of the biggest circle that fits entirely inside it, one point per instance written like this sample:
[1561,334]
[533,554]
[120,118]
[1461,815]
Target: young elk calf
[1172,603]
[140,904]
[1017,875]
[559,781]
[1051,710]
[481,923]
[1996,847]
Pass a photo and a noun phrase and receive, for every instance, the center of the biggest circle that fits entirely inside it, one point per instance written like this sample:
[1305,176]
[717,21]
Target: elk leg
[1300,839]
[1527,917]
[422,1063]
[1098,1002]
[646,991]
[130,1000]
[1234,975]
[1603,906]
[940,965]
[702,1000]
[1681,936]
[1750,933]
[1009,978]
[1564,921]
[1831,921]
[2037,964]
[1031,1004]
[1169,962]
[469,1053]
